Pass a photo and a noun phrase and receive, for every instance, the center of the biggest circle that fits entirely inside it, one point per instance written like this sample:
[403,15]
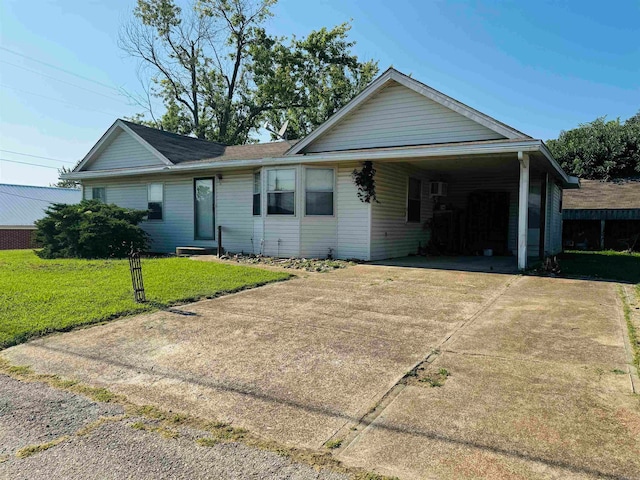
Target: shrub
[90,229]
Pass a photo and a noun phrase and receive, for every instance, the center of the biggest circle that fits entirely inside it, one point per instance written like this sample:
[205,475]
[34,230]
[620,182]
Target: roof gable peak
[392,75]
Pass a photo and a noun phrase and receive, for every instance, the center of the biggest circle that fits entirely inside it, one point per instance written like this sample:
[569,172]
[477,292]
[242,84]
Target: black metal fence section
[136,277]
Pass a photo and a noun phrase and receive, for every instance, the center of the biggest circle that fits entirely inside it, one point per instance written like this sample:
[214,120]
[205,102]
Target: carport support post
[602,225]
[523,210]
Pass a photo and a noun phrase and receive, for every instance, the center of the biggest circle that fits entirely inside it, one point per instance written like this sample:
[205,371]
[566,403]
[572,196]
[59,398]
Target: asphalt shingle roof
[22,205]
[184,149]
[596,195]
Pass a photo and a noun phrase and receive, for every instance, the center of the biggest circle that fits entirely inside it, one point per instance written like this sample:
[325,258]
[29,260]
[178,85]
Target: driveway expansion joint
[351,436]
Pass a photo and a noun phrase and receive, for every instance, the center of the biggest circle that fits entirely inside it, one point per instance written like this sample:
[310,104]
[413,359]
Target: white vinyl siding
[353,217]
[391,234]
[398,116]
[282,236]
[258,235]
[124,151]
[233,210]
[317,236]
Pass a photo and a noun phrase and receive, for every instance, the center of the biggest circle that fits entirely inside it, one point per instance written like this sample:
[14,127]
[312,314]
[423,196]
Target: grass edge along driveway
[42,296]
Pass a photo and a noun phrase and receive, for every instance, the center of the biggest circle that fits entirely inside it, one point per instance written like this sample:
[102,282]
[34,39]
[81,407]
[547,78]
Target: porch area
[484,212]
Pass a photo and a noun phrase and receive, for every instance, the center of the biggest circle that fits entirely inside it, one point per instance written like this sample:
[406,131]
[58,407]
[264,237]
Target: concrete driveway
[539,383]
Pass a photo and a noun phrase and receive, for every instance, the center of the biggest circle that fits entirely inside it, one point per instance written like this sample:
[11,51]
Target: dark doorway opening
[487,225]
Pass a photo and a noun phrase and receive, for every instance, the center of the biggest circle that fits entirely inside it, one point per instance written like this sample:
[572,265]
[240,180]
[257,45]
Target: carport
[503,203]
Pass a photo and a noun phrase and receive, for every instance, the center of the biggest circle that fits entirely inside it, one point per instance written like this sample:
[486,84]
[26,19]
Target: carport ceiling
[478,163]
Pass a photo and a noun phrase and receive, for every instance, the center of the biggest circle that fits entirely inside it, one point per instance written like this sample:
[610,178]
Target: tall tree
[219,74]
[600,149]
[312,77]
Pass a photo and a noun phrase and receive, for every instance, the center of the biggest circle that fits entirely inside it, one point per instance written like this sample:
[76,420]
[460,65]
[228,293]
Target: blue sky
[539,66]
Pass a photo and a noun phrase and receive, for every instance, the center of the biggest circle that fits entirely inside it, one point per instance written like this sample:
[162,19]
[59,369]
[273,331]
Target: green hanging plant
[366,183]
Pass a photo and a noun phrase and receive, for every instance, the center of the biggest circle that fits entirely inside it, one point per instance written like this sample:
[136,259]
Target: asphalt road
[33,413]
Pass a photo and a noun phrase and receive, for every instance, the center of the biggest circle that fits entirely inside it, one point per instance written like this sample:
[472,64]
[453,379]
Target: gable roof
[392,75]
[599,195]
[22,205]
[174,149]
[177,148]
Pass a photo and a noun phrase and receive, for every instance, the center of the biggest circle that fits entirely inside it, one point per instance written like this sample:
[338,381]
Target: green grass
[609,265]
[41,296]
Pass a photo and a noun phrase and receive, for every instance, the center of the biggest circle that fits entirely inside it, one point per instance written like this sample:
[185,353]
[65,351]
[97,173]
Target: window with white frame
[99,193]
[257,193]
[319,191]
[155,201]
[281,191]
[414,200]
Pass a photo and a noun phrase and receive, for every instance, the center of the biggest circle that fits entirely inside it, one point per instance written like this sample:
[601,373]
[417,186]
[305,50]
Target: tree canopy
[219,74]
[602,149]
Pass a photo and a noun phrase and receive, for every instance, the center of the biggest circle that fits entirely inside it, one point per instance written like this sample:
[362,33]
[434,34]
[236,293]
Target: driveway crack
[348,437]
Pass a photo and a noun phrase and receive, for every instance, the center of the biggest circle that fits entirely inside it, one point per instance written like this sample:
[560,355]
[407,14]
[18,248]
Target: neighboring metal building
[22,205]
[602,215]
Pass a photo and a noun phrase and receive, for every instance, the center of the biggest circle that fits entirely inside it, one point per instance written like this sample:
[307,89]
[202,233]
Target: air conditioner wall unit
[438,189]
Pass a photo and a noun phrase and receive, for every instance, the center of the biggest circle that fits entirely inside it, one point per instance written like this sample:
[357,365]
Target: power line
[110,97]
[26,163]
[36,156]
[57,100]
[59,68]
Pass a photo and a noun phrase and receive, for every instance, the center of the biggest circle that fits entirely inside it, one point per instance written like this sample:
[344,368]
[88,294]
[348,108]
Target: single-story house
[602,215]
[446,174]
[22,205]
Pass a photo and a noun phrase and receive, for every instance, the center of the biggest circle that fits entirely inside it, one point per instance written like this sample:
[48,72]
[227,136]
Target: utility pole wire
[36,156]
[59,68]
[27,163]
[112,115]
[110,97]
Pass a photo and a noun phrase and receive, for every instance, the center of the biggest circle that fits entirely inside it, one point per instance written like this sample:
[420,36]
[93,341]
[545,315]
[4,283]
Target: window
[203,200]
[155,200]
[281,192]
[414,200]
[319,191]
[99,193]
[257,189]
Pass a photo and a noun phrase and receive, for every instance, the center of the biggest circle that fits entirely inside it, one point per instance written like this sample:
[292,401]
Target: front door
[204,208]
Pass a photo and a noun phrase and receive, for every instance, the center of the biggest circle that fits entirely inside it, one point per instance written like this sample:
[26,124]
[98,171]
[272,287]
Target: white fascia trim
[107,136]
[17,227]
[418,87]
[400,154]
[568,181]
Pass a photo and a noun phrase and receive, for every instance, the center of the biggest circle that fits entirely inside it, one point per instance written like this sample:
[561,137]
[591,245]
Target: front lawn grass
[40,296]
[609,265]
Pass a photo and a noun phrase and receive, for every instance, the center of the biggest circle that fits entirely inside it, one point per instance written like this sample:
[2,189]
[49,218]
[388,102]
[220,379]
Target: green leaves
[219,74]
[90,229]
[600,149]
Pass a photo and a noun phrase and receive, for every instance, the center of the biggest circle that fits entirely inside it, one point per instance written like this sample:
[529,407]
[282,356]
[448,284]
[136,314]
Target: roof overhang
[398,154]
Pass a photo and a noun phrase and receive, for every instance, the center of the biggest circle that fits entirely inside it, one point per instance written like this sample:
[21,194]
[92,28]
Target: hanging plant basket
[365,180]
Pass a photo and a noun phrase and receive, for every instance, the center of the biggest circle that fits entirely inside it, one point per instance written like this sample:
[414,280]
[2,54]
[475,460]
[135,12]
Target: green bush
[90,229]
